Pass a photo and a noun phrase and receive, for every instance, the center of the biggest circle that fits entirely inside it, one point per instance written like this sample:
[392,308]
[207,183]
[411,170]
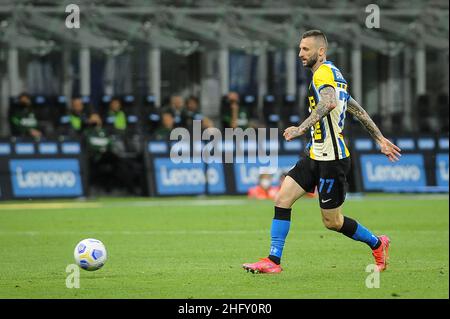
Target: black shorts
[330,177]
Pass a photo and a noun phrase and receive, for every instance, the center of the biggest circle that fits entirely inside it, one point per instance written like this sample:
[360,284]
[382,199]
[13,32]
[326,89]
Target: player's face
[309,53]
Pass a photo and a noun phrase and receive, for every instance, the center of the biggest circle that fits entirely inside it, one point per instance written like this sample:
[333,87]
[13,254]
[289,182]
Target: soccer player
[328,159]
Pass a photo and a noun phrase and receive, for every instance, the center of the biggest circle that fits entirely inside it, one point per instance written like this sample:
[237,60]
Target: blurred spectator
[207,123]
[264,189]
[23,119]
[166,126]
[76,121]
[116,117]
[233,114]
[191,112]
[106,168]
[97,139]
[176,107]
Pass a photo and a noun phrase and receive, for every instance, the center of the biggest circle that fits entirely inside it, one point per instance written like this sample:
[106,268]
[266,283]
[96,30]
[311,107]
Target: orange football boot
[381,253]
[264,265]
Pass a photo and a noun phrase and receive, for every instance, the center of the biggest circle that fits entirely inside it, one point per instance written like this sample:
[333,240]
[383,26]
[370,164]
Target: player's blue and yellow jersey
[327,142]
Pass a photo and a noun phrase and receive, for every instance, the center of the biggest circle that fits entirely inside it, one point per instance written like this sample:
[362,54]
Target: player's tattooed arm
[327,103]
[355,109]
[389,149]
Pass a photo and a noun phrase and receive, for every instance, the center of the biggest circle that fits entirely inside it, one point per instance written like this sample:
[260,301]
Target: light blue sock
[364,235]
[356,231]
[280,229]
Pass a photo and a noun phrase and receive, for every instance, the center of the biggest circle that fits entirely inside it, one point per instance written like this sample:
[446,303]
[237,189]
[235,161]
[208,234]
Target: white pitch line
[237,202]
[96,205]
[407,197]
[186,232]
[182,202]
[177,202]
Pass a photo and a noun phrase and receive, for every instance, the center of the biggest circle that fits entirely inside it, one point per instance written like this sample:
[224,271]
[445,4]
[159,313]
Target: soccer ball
[90,254]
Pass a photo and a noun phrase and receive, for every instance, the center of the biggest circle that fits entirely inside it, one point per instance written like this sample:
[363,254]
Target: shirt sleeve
[323,77]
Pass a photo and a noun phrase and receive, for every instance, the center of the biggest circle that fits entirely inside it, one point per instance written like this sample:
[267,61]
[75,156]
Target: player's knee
[282,200]
[331,223]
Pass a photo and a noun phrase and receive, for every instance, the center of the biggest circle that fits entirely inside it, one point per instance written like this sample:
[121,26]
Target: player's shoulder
[329,72]
[323,76]
[323,70]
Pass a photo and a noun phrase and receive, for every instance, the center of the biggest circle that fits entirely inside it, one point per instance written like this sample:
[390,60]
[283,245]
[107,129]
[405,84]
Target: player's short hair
[317,34]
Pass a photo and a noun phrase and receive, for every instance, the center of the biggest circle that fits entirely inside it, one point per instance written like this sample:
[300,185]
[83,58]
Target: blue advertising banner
[72,148]
[442,169]
[247,174]
[24,148]
[5,149]
[48,148]
[45,177]
[380,174]
[188,178]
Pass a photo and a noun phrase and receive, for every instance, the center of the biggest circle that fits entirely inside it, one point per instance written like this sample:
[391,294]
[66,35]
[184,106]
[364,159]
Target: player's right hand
[389,149]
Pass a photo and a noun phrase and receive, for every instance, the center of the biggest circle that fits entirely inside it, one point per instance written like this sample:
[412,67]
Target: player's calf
[333,220]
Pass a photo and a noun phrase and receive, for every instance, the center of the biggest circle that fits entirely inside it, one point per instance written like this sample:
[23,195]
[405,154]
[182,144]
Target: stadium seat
[290,112]
[151,116]
[271,111]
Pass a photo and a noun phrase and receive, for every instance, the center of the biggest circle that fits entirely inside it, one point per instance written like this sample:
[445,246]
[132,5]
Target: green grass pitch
[194,248]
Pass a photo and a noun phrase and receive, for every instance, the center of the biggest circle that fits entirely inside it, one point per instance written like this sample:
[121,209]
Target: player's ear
[322,51]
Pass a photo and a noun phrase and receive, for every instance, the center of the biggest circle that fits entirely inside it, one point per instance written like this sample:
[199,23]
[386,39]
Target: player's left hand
[292,132]
[389,149]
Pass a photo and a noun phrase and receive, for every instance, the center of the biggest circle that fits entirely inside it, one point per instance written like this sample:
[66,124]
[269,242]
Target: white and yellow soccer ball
[90,254]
